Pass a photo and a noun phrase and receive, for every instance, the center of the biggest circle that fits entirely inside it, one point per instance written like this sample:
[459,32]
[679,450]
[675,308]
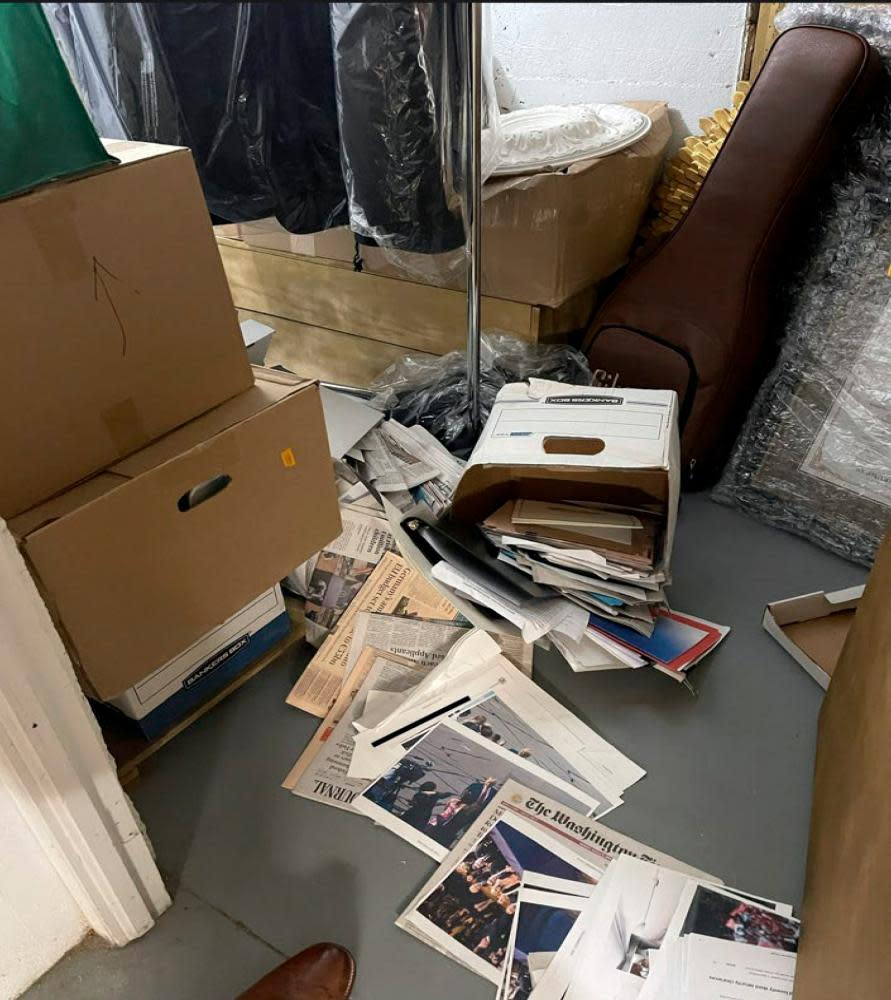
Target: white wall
[570,53]
[39,920]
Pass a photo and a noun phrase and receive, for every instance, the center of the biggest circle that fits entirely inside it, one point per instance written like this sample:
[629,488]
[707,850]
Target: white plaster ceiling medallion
[554,136]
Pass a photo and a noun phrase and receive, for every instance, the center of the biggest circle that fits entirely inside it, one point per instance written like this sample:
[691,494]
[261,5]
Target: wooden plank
[130,748]
[328,355]
[309,291]
[765,35]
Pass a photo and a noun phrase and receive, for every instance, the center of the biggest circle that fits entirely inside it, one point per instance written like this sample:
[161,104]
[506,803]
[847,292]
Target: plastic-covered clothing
[432,392]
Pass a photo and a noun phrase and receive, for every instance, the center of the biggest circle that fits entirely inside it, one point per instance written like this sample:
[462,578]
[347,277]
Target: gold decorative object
[685,172]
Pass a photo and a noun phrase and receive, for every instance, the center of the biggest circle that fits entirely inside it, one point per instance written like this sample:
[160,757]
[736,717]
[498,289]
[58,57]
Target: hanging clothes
[399,98]
[249,87]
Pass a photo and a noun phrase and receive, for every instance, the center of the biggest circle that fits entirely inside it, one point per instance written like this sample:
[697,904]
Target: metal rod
[474,199]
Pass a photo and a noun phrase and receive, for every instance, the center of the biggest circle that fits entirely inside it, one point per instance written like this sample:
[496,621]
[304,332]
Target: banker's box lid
[813,628]
[134,574]
[843,952]
[118,323]
[547,440]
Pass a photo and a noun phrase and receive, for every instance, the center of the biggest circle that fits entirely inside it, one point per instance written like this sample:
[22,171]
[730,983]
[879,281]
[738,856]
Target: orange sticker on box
[288,459]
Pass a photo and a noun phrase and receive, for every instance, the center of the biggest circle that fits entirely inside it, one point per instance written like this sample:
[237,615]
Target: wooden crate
[345,326]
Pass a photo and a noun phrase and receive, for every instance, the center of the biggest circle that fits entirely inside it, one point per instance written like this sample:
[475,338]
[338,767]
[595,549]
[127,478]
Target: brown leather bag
[693,316]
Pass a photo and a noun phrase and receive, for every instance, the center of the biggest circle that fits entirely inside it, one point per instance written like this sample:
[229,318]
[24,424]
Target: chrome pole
[474,199]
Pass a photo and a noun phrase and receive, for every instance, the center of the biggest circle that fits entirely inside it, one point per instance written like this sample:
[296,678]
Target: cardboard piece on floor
[812,628]
[147,557]
[847,894]
[118,324]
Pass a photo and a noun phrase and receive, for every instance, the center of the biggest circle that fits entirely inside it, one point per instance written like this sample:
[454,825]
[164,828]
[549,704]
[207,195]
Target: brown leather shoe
[322,972]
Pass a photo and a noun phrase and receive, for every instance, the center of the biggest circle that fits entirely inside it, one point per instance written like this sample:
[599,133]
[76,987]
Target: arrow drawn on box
[102,279]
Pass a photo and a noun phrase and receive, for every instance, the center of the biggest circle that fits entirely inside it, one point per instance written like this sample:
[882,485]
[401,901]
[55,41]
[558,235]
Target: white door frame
[58,767]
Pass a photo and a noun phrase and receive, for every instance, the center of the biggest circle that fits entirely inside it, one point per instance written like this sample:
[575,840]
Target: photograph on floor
[718,915]
[495,721]
[445,781]
[541,924]
[469,912]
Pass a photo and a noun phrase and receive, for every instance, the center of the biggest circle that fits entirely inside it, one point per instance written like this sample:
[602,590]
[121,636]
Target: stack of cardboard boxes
[155,483]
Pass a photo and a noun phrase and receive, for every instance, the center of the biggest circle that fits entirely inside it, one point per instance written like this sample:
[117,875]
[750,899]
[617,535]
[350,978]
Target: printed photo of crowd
[718,915]
[443,784]
[475,904]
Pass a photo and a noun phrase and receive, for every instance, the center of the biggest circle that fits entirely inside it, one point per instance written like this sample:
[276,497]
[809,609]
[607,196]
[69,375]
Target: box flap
[843,949]
[130,151]
[269,387]
[822,639]
[62,505]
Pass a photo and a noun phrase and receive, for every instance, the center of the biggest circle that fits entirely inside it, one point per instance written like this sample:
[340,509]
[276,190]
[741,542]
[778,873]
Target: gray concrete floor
[258,874]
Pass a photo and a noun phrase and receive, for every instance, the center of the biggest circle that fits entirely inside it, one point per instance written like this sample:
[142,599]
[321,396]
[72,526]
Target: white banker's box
[549,441]
[187,680]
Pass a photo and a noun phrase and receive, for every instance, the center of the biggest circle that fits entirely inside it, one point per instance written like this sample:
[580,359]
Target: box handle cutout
[573,446]
[202,492]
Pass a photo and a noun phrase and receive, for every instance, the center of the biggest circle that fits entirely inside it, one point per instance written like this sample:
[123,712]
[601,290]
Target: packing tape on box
[49,217]
[124,424]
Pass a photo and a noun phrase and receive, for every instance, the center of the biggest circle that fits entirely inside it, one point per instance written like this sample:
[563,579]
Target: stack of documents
[583,575]
[547,904]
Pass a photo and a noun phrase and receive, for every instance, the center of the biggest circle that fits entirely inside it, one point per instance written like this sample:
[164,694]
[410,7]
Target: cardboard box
[548,441]
[546,236]
[842,955]
[118,324]
[173,690]
[148,556]
[812,628]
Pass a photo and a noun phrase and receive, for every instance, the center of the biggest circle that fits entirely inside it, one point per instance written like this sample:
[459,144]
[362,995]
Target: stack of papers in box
[548,904]
[600,598]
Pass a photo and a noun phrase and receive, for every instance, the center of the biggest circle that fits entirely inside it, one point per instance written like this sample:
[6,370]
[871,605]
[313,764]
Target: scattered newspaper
[477,688]
[321,771]
[388,656]
[342,567]
[393,587]
[583,849]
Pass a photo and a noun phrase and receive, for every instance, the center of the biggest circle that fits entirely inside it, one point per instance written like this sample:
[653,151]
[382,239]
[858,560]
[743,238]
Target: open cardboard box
[812,628]
[140,561]
[548,441]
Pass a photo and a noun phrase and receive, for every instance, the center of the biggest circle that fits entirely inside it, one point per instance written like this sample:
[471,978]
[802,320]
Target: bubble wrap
[814,456]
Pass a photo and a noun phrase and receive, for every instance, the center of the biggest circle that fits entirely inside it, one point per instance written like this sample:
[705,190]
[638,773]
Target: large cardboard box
[189,679]
[844,953]
[548,441]
[118,325]
[546,236]
[813,628]
[143,559]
